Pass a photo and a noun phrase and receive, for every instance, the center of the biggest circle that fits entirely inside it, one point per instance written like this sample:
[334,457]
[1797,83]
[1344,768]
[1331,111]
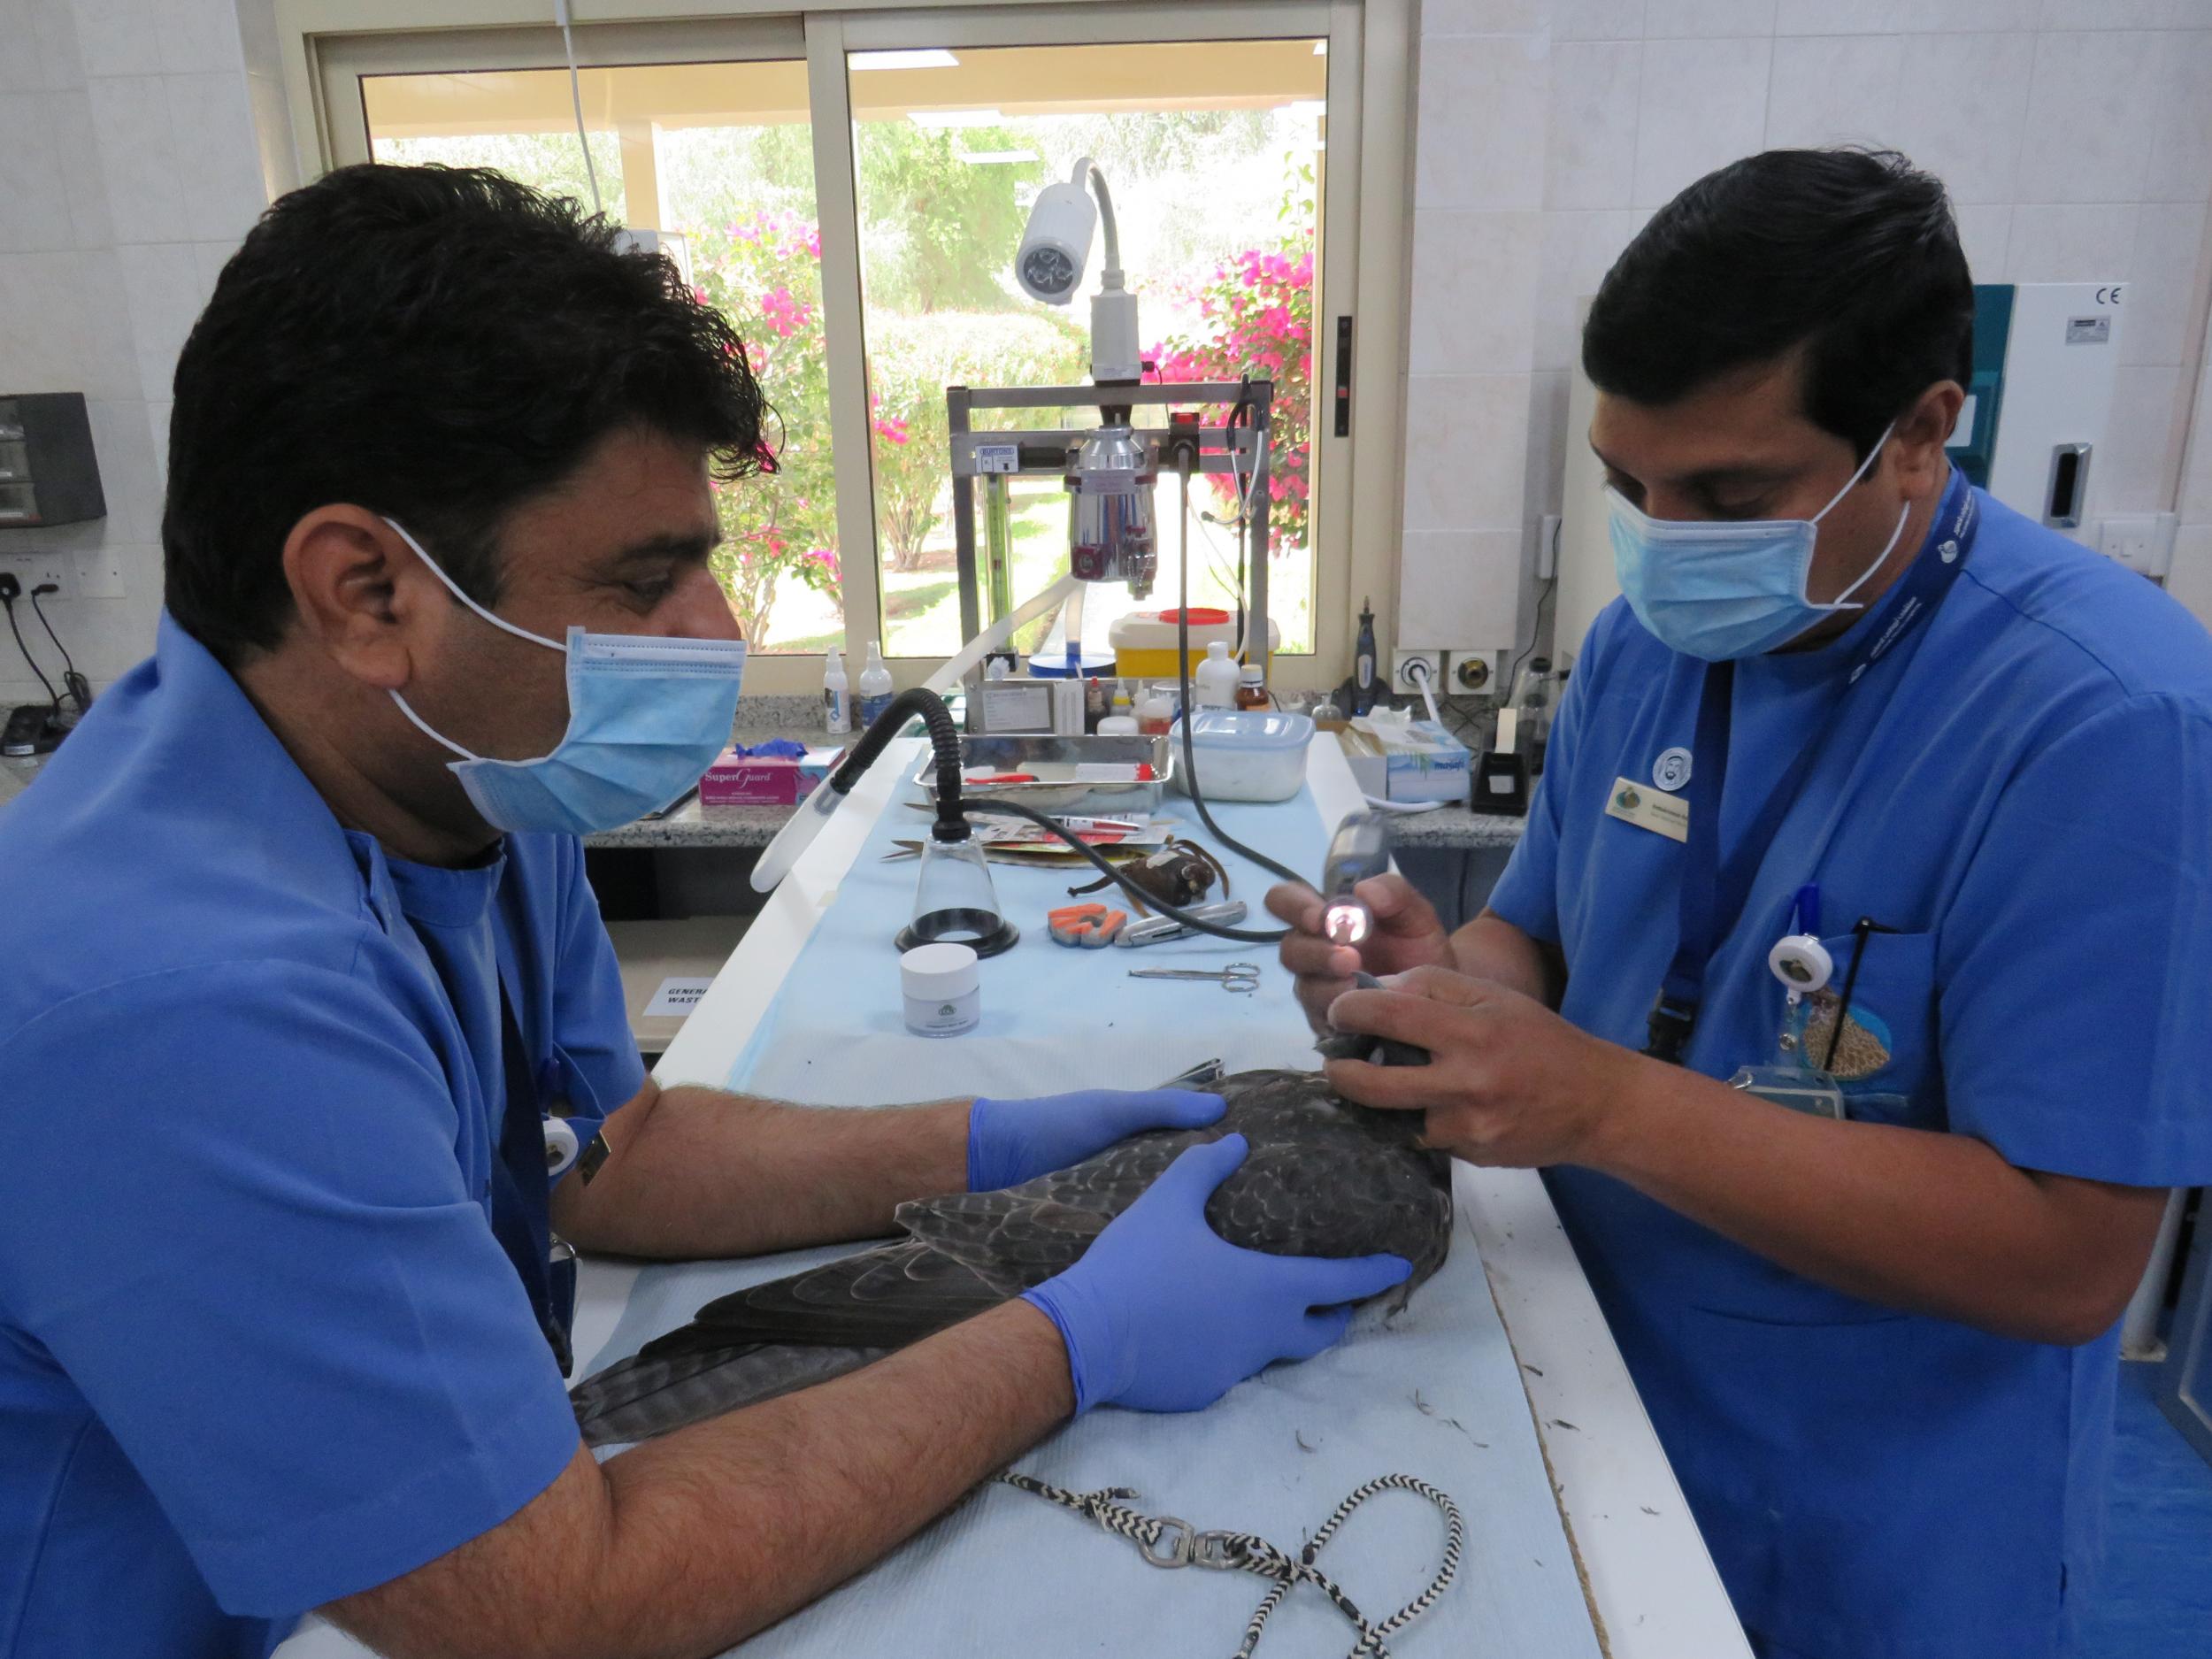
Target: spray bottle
[875,685]
[837,700]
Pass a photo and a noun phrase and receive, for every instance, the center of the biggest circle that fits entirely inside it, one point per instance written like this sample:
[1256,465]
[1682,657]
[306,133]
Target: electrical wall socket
[2142,541]
[1407,679]
[37,569]
[99,574]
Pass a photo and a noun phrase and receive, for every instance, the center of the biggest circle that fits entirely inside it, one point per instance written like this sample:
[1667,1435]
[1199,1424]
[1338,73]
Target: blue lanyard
[1714,892]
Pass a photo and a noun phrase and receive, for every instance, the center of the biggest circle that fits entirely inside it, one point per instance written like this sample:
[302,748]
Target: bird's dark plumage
[1322,1177]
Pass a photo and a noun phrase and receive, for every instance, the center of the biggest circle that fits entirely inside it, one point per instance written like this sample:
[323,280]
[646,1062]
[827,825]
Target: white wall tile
[158,430]
[257,38]
[1707,19]
[95,326]
[1985,235]
[2091,114]
[1834,88]
[55,29]
[2116,14]
[20,68]
[198,36]
[162,281]
[214,128]
[1704,104]
[1474,290]
[2166,282]
[1837,17]
[272,136]
[1466,446]
[1460,588]
[1442,17]
[77,151]
[34,204]
[124,448]
[1482,98]
[1969,16]
[2190,582]
[1597,19]
[1963,109]
[139,158]
[1544,482]
[116,37]
[208,259]
[2090,242]
[2181,140]
[1579,249]
[2135,464]
[1590,150]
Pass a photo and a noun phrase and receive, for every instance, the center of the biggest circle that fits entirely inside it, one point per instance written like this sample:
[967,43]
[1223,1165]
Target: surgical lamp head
[1056,246]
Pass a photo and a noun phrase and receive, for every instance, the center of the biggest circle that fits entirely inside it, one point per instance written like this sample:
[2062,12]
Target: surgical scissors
[1239,978]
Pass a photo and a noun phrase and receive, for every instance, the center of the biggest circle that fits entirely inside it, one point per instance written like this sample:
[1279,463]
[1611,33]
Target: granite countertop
[1451,828]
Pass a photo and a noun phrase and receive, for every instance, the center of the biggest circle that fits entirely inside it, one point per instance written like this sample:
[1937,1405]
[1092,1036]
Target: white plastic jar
[943,990]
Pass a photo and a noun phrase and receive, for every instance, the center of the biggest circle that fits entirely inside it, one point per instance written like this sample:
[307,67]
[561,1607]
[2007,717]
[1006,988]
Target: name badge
[1649,809]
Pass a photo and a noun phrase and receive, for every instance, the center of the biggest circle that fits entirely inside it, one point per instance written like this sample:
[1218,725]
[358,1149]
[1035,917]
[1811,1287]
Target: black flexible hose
[1242,935]
[944,743]
[952,819]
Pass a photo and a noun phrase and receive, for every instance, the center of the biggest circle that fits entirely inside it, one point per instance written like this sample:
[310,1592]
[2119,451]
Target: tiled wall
[2076,136]
[129,168]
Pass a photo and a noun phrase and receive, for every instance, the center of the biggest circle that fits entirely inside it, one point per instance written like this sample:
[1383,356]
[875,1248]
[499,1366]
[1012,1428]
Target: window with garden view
[1213,152]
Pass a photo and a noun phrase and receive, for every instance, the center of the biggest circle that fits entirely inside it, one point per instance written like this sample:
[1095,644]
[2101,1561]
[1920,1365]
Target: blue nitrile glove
[1163,1313]
[1010,1141]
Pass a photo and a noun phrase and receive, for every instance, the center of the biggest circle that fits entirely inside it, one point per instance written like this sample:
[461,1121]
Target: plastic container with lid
[1246,754]
[943,990]
[1143,642]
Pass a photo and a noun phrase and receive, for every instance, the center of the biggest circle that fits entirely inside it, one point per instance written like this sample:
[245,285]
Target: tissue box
[739,778]
[1417,760]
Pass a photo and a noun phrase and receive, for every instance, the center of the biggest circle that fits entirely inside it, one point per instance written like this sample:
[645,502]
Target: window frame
[326,43]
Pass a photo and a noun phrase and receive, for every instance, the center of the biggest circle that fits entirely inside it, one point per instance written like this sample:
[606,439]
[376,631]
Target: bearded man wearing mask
[1849,702]
[294,996]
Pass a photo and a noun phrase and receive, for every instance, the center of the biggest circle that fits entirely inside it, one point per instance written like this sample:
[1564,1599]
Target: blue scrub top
[2022,790]
[259,1347]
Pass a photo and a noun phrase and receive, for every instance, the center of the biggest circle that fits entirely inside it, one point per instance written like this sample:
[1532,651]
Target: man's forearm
[689,1544]
[697,1172]
[1933,1223]
[1491,948]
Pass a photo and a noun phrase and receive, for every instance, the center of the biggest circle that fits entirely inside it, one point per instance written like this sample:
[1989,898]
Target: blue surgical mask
[647,715]
[1720,589]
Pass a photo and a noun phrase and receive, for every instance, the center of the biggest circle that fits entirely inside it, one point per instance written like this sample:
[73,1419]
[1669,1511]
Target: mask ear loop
[454,587]
[1842,601]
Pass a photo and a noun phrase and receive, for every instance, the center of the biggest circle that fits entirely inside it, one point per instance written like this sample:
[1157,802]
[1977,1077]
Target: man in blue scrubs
[284,1011]
[1879,1347]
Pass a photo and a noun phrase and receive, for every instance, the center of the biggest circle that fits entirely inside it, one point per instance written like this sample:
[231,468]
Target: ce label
[2111,294]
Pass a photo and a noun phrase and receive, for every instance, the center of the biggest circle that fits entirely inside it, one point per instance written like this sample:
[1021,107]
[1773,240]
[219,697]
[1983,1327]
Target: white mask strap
[425,727]
[1880,559]
[1849,484]
[454,589]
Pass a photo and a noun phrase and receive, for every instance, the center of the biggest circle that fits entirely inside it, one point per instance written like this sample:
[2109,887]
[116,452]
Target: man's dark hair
[436,344]
[1852,255]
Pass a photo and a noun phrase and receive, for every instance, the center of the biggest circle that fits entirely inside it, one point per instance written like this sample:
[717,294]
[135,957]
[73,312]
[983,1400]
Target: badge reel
[1803,963]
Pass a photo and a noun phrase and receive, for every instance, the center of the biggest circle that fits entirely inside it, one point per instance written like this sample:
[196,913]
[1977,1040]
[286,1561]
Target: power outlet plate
[1406,679]
[99,575]
[2142,541]
[36,570]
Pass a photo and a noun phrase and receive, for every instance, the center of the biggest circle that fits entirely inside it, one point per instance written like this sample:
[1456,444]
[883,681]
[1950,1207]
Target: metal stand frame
[1237,451]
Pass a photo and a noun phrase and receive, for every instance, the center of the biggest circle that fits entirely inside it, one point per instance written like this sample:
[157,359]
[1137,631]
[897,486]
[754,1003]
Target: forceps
[1240,978]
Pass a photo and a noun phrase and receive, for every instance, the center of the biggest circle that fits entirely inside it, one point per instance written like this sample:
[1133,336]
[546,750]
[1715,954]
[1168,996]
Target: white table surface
[1652,1587]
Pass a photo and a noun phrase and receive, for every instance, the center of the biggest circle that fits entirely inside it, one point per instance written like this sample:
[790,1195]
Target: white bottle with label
[875,685]
[1214,684]
[837,697]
